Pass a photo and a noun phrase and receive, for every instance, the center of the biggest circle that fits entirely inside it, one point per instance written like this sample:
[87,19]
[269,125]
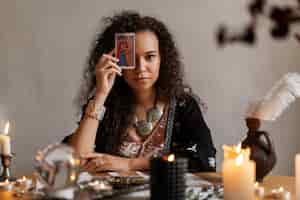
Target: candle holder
[262,152]
[6,163]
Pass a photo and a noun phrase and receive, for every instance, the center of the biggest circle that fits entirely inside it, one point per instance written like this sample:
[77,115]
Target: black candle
[168,178]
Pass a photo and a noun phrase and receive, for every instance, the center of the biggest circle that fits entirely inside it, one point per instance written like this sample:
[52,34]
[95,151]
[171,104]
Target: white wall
[44,44]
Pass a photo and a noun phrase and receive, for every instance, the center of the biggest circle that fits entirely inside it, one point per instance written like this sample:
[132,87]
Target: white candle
[5,147]
[238,175]
[23,183]
[297,174]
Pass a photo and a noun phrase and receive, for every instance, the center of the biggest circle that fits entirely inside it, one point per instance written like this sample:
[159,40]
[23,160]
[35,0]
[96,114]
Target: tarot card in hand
[125,49]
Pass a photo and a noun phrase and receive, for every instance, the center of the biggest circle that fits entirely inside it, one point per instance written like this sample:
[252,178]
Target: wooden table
[270,182]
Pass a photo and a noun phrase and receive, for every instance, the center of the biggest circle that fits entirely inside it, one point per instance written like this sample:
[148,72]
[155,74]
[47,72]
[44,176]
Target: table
[269,182]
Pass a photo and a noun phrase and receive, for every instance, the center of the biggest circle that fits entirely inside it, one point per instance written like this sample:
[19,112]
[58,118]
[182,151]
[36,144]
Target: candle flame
[72,177]
[23,178]
[281,189]
[232,152]
[239,160]
[171,158]
[72,161]
[102,185]
[6,128]
[238,148]
[6,181]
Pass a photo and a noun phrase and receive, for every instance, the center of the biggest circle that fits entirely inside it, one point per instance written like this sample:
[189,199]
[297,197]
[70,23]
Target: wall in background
[44,45]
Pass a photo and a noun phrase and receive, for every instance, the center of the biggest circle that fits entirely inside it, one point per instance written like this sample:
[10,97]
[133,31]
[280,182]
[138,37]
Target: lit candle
[5,147]
[167,177]
[297,173]
[6,185]
[100,185]
[24,183]
[238,174]
[279,193]
[259,191]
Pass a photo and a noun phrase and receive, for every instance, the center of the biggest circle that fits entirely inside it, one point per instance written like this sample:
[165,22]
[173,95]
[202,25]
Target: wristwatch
[95,111]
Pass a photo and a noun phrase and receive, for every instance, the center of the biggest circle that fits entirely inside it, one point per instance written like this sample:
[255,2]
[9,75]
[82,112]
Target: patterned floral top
[151,146]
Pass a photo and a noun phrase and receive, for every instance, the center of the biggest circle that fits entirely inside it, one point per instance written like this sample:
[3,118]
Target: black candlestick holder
[6,172]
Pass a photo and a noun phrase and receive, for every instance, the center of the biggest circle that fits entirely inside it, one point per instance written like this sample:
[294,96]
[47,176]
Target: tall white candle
[238,176]
[5,147]
[297,174]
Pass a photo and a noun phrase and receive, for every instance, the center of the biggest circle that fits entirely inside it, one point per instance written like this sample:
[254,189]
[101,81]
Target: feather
[277,100]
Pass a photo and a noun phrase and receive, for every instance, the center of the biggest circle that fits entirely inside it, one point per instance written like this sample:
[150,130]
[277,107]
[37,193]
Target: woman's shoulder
[190,100]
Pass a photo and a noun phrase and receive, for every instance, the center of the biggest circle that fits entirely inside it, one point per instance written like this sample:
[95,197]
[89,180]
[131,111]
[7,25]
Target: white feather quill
[277,100]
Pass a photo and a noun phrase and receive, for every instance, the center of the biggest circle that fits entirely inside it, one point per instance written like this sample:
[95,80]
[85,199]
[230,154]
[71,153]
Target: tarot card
[125,49]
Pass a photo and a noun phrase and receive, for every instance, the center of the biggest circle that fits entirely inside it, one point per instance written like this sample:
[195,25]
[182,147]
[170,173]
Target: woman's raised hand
[106,70]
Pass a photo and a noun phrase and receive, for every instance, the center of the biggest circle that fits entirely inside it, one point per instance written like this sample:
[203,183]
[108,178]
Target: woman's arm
[96,162]
[83,139]
[139,164]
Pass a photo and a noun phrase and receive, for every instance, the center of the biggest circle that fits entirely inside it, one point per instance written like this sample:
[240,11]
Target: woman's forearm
[83,139]
[139,164]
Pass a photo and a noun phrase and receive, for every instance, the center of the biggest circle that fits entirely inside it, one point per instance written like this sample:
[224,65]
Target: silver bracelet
[95,111]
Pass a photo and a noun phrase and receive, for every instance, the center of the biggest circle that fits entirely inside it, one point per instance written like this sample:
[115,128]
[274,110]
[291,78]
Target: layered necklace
[145,127]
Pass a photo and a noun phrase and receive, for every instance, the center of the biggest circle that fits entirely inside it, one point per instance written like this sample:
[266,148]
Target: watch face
[100,112]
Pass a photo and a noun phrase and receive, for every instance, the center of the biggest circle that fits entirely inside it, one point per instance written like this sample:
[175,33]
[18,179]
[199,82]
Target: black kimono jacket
[187,135]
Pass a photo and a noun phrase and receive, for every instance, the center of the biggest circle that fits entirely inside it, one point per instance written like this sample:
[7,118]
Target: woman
[136,114]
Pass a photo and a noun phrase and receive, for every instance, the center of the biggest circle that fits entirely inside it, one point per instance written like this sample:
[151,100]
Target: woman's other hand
[97,162]
[106,70]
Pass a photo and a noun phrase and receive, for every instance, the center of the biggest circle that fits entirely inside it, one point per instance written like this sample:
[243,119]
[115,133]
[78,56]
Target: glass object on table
[58,167]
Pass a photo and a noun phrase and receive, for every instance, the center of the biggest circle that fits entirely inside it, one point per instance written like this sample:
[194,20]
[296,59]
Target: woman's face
[146,72]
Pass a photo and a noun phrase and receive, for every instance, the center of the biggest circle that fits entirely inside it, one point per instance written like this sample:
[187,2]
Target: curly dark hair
[120,101]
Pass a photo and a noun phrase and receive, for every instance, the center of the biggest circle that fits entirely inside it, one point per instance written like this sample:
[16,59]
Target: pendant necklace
[145,127]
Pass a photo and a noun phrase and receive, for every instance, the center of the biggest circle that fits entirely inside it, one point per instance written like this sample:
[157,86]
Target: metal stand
[6,162]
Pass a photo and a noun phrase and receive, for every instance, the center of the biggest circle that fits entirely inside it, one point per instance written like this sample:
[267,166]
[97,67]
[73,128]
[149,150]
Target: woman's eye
[150,57]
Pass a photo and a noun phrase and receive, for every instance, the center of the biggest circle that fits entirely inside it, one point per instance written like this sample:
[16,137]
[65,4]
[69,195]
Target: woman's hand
[96,162]
[106,70]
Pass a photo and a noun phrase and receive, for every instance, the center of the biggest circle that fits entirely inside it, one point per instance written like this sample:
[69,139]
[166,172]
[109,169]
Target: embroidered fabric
[152,145]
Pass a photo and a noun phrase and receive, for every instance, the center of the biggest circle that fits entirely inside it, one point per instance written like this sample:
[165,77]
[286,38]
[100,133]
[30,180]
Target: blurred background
[44,46]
